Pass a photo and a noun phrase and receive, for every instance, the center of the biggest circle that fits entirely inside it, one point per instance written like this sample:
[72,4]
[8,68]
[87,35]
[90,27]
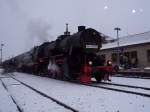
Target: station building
[133,51]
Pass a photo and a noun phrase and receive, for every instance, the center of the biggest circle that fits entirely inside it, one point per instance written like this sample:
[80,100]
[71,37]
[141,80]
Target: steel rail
[123,85]
[136,77]
[17,105]
[49,97]
[119,90]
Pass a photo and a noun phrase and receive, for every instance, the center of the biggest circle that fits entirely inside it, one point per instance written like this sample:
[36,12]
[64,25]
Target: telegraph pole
[118,50]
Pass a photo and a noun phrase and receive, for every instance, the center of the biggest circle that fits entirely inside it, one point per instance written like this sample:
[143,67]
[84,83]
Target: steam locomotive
[69,57]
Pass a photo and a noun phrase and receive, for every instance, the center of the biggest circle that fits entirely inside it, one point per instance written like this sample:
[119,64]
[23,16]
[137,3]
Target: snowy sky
[25,23]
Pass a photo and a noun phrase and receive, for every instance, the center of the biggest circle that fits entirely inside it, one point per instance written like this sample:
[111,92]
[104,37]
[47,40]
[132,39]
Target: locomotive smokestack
[81,28]
[67,32]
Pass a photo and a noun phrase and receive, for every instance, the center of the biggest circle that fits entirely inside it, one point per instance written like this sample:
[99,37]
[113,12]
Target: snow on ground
[131,81]
[30,101]
[6,103]
[83,98]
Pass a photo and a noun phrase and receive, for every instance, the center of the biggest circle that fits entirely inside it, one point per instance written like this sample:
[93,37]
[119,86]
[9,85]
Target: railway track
[135,90]
[123,85]
[47,96]
[40,93]
[124,89]
[136,77]
[18,107]
[141,91]
[130,75]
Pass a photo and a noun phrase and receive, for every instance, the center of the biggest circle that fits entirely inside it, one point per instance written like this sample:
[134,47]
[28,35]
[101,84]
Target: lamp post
[2,52]
[118,50]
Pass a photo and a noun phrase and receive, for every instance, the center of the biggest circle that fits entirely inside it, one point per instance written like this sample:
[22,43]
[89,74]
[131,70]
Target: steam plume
[39,30]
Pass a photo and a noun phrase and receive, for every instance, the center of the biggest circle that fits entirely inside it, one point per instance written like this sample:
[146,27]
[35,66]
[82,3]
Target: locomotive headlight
[90,62]
[109,62]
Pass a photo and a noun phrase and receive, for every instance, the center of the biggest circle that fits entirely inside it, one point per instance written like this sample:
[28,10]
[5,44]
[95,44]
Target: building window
[131,58]
[133,54]
[148,55]
[114,57]
[103,57]
[134,59]
[126,54]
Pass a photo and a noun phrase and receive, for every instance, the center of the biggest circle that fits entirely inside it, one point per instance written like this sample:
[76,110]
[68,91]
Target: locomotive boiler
[69,57]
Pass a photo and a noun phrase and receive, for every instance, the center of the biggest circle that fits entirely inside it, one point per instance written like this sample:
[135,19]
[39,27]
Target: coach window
[148,55]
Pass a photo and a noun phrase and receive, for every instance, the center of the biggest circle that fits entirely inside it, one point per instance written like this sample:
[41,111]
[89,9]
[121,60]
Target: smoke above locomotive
[63,58]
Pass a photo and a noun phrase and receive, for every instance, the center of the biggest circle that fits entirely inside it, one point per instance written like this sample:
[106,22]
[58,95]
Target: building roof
[129,40]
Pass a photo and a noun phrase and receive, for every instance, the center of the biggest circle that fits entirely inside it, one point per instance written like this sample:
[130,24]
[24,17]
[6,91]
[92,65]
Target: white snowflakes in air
[133,11]
[105,7]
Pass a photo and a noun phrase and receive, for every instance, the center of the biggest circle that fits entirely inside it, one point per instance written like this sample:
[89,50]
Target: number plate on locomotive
[92,46]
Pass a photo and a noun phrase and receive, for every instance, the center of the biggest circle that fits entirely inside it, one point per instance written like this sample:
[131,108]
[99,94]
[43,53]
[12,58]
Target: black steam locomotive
[71,57]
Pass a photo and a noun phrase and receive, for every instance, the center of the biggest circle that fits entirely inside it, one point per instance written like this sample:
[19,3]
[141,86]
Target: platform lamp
[118,50]
[1,52]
